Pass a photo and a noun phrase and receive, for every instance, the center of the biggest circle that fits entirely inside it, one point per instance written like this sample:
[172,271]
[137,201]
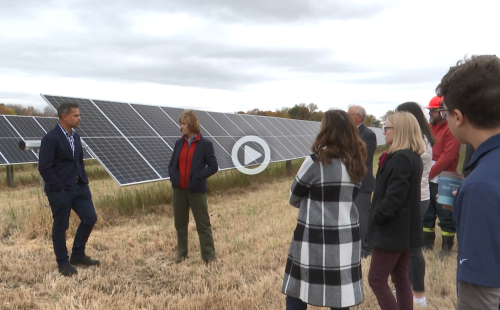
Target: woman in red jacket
[192,162]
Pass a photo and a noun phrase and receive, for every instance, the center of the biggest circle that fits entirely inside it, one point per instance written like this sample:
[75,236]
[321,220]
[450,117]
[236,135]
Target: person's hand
[448,207]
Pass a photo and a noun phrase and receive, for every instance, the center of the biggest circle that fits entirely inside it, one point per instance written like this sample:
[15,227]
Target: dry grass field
[252,222]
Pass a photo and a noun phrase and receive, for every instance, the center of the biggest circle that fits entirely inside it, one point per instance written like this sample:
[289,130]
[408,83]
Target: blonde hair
[190,118]
[407,133]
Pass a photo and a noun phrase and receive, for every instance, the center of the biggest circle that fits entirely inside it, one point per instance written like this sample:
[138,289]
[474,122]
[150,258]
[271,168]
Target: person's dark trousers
[363,202]
[417,261]
[477,297]
[183,200]
[293,303]
[396,264]
[79,199]
[434,210]
[446,223]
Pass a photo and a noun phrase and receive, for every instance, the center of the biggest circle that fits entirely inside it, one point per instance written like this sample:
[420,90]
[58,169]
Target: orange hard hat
[434,103]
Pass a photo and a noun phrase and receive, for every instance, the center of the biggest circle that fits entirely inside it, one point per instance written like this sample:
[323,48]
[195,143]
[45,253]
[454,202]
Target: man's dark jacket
[395,222]
[368,183]
[56,164]
[203,165]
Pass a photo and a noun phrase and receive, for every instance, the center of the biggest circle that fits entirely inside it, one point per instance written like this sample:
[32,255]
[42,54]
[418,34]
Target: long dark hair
[416,110]
[338,137]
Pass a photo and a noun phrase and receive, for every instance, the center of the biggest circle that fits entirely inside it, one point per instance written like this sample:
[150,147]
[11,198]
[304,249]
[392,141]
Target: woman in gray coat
[323,266]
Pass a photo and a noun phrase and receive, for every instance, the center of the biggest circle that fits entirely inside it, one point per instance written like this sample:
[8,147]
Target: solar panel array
[135,142]
[14,128]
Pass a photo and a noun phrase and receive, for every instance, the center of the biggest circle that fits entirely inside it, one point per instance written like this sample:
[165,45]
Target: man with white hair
[363,200]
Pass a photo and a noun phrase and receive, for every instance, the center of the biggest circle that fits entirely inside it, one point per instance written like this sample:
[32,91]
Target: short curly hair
[473,88]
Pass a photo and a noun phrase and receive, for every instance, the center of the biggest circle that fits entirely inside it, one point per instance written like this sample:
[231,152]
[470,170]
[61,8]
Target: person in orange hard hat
[445,156]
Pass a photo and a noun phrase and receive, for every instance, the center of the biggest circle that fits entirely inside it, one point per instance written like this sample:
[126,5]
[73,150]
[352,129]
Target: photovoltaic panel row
[15,128]
[9,141]
[134,142]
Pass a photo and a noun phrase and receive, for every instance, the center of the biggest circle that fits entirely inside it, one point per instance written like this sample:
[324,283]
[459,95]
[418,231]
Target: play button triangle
[251,155]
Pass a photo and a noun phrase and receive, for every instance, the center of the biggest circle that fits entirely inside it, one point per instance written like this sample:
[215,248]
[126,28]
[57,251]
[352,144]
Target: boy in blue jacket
[471,95]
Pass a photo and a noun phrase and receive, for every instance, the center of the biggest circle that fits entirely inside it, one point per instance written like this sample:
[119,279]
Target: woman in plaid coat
[323,266]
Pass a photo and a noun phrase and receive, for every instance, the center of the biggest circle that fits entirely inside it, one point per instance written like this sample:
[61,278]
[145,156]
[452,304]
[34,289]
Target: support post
[288,167]
[10,175]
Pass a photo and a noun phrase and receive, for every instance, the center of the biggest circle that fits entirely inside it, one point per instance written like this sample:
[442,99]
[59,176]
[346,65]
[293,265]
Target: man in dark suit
[363,200]
[66,186]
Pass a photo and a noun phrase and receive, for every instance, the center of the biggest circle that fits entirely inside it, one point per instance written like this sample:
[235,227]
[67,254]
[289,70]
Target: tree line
[18,109]
[310,112]
[300,111]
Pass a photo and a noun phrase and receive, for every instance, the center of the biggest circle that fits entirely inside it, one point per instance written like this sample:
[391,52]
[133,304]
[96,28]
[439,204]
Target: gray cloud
[422,75]
[237,11]
[106,48]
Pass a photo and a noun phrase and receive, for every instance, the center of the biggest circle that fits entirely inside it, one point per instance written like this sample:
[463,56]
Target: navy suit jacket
[56,164]
[365,133]
[203,165]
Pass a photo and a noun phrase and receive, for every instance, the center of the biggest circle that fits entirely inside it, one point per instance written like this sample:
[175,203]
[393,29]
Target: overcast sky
[231,55]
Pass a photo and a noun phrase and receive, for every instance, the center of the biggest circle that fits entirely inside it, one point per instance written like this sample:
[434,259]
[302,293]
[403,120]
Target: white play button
[251,155]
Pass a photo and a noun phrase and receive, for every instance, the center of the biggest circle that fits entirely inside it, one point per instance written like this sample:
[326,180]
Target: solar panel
[125,119]
[173,113]
[156,151]
[223,152]
[93,123]
[9,141]
[19,127]
[47,123]
[27,127]
[134,142]
[229,126]
[158,120]
[305,127]
[123,162]
[211,125]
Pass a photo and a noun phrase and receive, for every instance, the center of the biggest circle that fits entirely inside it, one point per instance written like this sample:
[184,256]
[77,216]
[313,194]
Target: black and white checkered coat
[324,265]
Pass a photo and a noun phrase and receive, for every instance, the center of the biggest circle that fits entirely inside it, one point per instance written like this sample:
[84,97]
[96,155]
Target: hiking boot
[83,260]
[180,259]
[429,238]
[448,242]
[67,270]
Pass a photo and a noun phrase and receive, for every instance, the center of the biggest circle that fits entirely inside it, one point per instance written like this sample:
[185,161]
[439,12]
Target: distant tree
[386,116]
[6,111]
[240,112]
[317,116]
[377,123]
[303,113]
[28,111]
[279,113]
[253,111]
[285,111]
[369,120]
[294,111]
[49,111]
[312,108]
[17,108]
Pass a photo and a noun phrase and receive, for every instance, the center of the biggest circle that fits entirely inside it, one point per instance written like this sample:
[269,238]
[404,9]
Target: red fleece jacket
[185,160]
[446,151]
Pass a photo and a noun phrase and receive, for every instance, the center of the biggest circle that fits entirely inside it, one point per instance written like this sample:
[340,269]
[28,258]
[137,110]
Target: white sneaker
[420,302]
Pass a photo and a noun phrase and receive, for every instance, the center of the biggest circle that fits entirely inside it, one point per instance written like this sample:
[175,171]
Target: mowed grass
[136,242]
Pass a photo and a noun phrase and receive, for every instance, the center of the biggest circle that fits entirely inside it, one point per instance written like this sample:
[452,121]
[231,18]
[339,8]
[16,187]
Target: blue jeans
[293,303]
[79,199]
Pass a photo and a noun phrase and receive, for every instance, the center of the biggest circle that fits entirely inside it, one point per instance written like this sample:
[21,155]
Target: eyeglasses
[444,113]
[385,128]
